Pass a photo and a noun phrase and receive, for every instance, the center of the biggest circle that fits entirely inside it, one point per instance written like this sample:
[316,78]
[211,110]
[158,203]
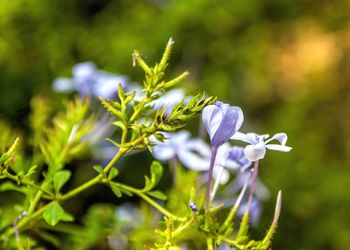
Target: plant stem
[245,220]
[28,183]
[138,110]
[214,151]
[95,180]
[210,243]
[234,209]
[150,201]
[252,185]
[72,193]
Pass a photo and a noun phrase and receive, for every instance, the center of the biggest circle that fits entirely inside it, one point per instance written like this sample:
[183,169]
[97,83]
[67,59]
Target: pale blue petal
[224,175]
[277,147]
[63,85]
[180,137]
[163,152]
[84,71]
[255,152]
[240,117]
[194,161]
[212,117]
[281,137]
[261,190]
[195,154]
[244,137]
[169,100]
[228,124]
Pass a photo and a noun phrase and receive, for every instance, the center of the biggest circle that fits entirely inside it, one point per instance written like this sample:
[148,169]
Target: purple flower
[89,81]
[259,143]
[221,121]
[192,153]
[237,158]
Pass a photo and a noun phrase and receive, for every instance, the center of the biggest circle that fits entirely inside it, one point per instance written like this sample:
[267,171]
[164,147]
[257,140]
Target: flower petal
[255,152]
[232,119]
[277,147]
[243,137]
[281,137]
[195,154]
[163,152]
[84,71]
[212,117]
[63,85]
[224,175]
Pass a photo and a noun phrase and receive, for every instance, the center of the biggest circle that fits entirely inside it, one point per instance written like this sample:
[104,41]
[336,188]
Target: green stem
[138,110]
[28,183]
[72,193]
[27,219]
[210,243]
[96,179]
[230,216]
[233,243]
[181,228]
[124,134]
[48,179]
[150,201]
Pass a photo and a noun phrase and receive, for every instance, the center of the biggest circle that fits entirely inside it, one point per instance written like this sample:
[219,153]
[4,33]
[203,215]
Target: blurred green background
[285,62]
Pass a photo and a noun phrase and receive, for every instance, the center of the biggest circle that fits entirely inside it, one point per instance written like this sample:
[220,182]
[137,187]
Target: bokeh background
[285,62]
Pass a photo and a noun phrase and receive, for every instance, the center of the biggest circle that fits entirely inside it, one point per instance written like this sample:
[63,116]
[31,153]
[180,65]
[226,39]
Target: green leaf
[31,171]
[113,173]
[119,124]
[109,106]
[156,172]
[9,154]
[9,186]
[115,189]
[158,195]
[98,168]
[60,178]
[55,213]
[113,142]
[120,92]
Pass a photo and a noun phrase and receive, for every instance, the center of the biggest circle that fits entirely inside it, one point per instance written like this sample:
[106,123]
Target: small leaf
[9,154]
[98,168]
[9,186]
[156,172]
[31,171]
[119,124]
[148,184]
[113,173]
[121,93]
[158,195]
[113,142]
[60,178]
[115,189]
[55,213]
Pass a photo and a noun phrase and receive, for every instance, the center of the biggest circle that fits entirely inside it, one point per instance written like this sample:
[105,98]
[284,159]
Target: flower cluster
[89,81]
[222,123]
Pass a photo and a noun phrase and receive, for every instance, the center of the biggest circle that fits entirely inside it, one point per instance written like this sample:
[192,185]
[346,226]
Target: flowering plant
[148,119]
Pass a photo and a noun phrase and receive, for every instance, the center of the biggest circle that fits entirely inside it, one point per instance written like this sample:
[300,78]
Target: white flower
[259,143]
